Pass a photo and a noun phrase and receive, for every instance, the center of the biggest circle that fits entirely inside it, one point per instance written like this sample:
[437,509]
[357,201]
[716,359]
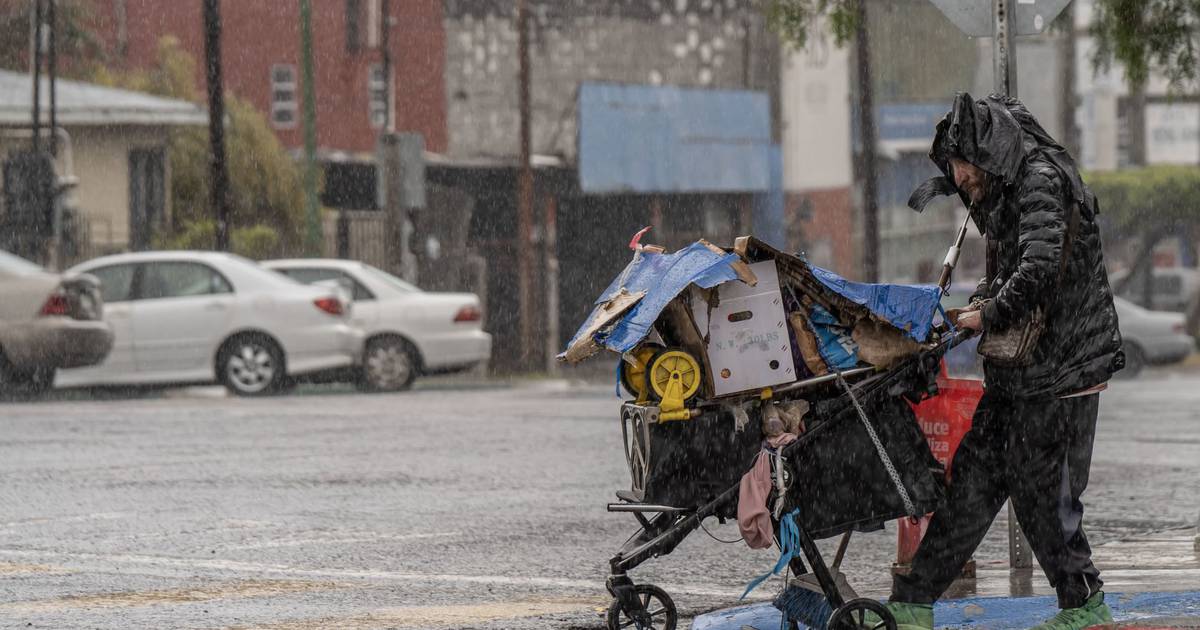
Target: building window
[353,26]
[377,88]
[283,96]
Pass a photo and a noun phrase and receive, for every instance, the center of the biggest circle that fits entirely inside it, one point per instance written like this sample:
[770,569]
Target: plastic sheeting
[662,277]
[907,307]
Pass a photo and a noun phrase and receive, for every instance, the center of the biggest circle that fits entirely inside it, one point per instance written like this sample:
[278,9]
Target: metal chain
[909,508]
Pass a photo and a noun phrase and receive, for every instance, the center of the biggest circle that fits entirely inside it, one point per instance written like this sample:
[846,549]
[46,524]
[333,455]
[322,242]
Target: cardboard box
[748,344]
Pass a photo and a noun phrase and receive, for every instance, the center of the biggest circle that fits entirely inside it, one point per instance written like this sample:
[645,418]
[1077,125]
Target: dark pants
[1037,452]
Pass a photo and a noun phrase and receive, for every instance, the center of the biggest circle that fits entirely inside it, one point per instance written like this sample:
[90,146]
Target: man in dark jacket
[1031,437]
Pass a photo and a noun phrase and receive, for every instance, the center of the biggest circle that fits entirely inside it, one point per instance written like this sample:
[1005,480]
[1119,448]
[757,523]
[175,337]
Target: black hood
[998,134]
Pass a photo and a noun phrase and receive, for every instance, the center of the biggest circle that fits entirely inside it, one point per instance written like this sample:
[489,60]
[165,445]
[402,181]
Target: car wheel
[389,365]
[251,365]
[1135,361]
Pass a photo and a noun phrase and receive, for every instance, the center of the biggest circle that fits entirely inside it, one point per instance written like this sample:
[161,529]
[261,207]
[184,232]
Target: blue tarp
[662,277]
[908,307]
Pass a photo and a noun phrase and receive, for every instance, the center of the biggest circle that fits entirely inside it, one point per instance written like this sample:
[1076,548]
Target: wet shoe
[908,616]
[1093,613]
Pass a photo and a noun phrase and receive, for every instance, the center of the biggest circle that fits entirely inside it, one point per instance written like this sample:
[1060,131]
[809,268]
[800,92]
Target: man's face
[970,179]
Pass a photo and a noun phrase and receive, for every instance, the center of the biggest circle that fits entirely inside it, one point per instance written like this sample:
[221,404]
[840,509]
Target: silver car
[1151,337]
[47,322]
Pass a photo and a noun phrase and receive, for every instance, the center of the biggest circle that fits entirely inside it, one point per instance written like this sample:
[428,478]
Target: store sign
[1173,133]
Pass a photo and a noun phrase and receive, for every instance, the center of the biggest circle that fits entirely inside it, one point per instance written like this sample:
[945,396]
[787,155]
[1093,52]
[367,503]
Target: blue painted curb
[992,613]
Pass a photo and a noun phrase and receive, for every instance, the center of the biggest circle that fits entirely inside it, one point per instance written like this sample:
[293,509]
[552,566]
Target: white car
[409,331]
[47,322]
[199,317]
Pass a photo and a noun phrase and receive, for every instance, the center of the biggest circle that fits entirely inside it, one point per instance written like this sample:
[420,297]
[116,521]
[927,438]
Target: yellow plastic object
[681,414]
[633,374]
[675,377]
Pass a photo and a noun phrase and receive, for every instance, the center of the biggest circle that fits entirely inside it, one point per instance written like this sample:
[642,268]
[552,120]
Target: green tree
[265,191]
[796,21]
[1148,35]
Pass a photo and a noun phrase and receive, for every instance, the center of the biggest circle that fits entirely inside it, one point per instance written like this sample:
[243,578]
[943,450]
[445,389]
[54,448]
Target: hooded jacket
[1033,183]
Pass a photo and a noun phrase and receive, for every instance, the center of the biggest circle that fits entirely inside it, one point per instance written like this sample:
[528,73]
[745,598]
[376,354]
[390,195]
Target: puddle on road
[226,590]
[440,616]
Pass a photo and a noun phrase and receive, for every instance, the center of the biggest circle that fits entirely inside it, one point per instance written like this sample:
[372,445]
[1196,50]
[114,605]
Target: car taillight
[330,305]
[56,305]
[1178,328]
[468,314]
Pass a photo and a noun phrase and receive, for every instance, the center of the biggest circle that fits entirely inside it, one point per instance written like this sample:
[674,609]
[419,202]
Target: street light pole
[218,169]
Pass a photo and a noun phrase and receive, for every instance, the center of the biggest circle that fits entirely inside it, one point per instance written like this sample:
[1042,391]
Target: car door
[117,289]
[182,314]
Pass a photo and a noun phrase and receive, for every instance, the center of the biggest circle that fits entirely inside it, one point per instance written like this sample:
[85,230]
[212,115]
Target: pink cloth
[754,520]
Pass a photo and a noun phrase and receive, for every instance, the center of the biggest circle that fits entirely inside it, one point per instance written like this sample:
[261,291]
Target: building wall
[257,34]
[101,158]
[697,43]
[817,161]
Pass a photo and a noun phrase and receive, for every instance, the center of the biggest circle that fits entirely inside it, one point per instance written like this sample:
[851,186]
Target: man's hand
[970,319]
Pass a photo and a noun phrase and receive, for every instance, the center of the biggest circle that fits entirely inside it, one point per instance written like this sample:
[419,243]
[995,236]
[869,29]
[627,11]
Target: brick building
[261,63]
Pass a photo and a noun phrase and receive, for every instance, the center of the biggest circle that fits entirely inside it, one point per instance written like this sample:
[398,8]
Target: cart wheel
[657,613]
[671,368]
[633,375]
[862,614]
[635,433]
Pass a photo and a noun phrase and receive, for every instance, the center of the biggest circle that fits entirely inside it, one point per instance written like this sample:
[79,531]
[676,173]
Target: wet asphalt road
[452,506]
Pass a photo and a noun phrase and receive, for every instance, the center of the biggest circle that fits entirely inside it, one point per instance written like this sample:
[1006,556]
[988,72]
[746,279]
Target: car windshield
[16,265]
[389,279]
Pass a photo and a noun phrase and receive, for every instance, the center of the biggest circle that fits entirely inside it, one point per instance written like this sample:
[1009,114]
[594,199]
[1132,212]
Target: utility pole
[52,62]
[525,192]
[218,169]
[35,70]
[866,124]
[313,237]
[1068,102]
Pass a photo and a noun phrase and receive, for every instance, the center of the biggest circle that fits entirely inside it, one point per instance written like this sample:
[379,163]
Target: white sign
[1173,133]
[974,17]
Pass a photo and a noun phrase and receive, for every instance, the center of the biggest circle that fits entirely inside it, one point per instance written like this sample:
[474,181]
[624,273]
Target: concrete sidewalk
[1151,582]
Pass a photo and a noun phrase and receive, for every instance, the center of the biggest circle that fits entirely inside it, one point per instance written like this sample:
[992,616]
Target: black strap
[1068,241]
